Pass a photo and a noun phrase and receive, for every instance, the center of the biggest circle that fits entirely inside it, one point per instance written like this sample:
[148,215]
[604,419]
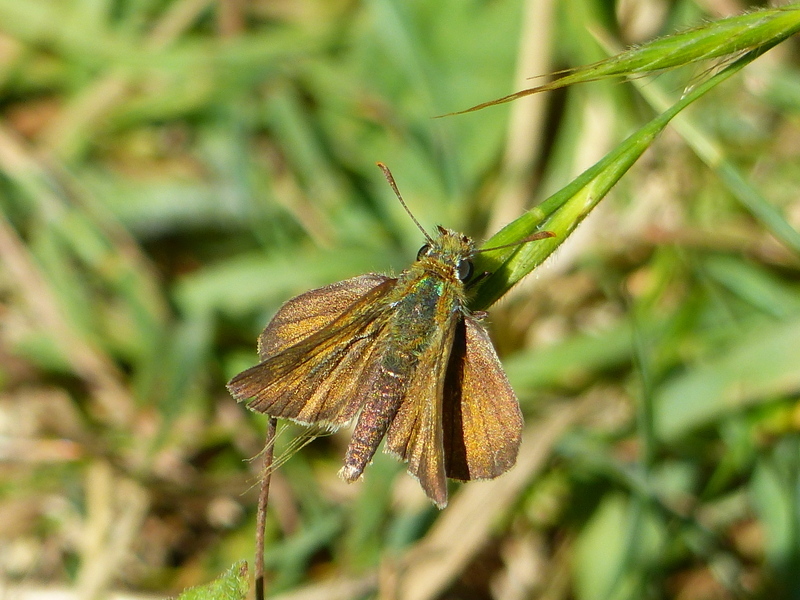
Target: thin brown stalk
[263,501]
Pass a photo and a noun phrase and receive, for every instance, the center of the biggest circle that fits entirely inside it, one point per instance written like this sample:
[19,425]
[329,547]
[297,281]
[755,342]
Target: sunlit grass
[170,173]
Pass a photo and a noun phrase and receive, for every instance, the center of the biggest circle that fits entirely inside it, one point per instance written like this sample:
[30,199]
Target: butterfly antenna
[539,235]
[388,174]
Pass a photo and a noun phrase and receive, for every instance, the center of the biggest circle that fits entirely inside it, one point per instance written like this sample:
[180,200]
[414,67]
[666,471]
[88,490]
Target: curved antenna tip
[388,174]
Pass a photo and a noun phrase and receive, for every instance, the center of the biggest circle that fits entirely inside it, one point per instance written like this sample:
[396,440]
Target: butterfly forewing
[314,380]
[416,434]
[481,415]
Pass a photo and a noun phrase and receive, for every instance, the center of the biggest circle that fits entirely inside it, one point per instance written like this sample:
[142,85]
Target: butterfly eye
[423,251]
[464,269]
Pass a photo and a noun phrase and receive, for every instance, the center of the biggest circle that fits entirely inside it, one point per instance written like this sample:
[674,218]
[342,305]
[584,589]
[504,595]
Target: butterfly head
[449,251]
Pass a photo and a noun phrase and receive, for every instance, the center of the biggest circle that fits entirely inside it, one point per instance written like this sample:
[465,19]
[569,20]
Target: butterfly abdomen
[387,389]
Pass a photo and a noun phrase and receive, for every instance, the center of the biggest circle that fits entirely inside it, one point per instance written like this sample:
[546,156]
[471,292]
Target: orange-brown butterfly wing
[316,350]
[482,419]
[415,434]
[312,311]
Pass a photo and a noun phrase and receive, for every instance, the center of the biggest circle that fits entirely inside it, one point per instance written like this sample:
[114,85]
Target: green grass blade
[725,39]
[563,211]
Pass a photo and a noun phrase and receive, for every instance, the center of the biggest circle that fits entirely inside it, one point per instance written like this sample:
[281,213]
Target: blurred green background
[172,171]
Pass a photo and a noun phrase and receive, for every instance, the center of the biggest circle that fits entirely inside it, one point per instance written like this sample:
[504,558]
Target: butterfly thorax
[429,292]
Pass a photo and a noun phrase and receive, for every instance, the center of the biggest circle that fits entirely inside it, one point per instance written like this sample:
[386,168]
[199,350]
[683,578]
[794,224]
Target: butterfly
[405,358]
